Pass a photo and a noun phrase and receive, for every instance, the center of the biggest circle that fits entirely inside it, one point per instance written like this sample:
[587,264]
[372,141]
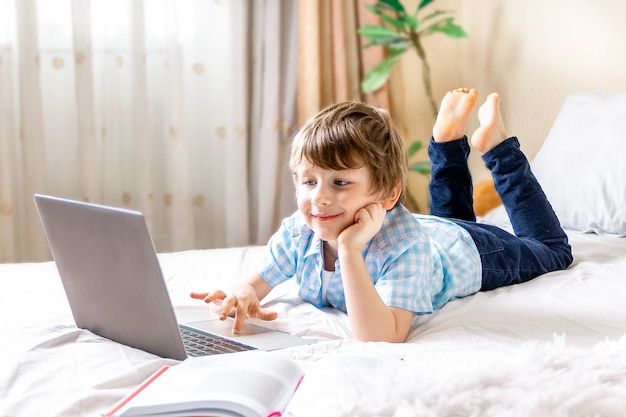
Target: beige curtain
[331,58]
[179,109]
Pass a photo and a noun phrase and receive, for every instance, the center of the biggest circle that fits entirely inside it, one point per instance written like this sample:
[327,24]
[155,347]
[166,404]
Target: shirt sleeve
[279,263]
[406,280]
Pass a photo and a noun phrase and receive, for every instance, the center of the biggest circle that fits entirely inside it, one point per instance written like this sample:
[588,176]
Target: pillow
[485,197]
[582,163]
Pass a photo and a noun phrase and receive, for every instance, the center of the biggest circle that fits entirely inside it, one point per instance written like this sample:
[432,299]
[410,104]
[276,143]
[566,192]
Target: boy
[354,246]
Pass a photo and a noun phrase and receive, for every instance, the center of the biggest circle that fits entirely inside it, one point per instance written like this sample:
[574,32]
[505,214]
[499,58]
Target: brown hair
[352,135]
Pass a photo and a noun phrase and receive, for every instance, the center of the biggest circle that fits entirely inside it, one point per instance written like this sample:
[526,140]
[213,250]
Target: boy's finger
[214,296]
[209,297]
[227,304]
[199,295]
[265,314]
[240,316]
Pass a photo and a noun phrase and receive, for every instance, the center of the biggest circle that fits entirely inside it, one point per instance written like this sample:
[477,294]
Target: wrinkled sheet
[491,351]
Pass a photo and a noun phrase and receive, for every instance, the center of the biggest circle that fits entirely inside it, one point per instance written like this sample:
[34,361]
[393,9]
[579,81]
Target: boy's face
[329,199]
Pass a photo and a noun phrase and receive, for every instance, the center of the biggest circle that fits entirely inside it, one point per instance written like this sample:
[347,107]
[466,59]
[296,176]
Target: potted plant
[402,31]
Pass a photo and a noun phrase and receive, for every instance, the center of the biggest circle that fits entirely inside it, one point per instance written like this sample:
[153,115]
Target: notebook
[114,285]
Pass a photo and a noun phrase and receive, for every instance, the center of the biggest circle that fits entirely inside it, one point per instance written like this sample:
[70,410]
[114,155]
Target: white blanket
[553,346]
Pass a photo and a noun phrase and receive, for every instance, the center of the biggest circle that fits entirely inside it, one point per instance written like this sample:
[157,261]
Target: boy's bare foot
[454,113]
[491,131]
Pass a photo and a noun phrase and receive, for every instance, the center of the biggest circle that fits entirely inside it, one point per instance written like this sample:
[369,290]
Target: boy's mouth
[324,217]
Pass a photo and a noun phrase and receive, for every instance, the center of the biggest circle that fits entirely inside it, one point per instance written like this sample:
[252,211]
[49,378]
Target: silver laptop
[115,287]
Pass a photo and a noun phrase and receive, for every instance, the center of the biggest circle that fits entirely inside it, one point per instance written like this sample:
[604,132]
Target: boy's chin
[327,236]
[328,232]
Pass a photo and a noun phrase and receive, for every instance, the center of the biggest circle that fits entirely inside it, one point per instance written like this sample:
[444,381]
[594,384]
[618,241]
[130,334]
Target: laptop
[114,285]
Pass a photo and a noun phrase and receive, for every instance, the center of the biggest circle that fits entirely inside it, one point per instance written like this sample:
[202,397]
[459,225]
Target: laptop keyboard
[202,344]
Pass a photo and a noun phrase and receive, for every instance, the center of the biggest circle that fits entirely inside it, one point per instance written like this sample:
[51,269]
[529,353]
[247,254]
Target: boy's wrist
[349,250]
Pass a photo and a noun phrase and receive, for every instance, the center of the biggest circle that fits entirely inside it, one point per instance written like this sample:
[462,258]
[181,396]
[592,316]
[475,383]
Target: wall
[534,53]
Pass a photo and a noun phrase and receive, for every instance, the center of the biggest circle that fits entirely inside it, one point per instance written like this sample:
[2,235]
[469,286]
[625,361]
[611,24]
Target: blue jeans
[539,245]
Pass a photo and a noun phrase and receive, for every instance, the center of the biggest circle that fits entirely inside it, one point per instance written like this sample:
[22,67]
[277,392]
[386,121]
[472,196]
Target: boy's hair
[352,135]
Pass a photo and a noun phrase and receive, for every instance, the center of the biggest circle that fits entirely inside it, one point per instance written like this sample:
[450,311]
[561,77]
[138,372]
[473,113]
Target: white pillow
[582,163]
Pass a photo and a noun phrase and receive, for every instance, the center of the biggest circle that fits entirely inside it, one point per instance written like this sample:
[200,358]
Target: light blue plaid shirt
[416,262]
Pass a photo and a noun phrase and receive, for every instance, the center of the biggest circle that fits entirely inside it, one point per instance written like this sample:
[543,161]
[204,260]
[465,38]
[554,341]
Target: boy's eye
[341,182]
[308,182]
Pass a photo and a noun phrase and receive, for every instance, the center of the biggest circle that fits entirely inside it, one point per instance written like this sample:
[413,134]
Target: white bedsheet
[553,346]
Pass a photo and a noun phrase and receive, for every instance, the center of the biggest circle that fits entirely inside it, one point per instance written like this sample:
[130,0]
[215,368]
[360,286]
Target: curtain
[331,57]
[274,113]
[179,109]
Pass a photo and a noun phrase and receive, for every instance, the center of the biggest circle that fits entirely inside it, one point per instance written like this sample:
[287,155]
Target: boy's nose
[320,196]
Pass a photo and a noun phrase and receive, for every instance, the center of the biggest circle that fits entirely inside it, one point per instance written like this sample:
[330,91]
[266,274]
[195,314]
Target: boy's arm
[370,318]
[243,301]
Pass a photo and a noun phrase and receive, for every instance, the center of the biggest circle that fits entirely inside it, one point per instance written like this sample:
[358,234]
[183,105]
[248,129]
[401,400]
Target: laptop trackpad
[210,322]
[252,335]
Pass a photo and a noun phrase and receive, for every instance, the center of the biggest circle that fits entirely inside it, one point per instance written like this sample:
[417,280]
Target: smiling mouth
[324,217]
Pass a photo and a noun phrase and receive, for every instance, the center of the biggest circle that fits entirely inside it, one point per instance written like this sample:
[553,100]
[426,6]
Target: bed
[552,346]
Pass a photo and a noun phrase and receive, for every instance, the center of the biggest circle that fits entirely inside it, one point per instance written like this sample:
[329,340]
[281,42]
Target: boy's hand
[367,222]
[242,302]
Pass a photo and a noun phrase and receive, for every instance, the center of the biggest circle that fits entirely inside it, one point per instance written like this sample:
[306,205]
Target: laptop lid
[114,283]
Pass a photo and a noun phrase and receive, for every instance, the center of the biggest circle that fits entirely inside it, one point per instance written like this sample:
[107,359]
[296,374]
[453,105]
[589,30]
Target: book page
[247,383]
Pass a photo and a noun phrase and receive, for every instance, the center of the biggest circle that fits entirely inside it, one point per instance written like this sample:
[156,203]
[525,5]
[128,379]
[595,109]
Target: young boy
[354,246]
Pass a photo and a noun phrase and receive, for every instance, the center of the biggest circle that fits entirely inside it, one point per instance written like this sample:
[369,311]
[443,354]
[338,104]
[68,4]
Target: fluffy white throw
[535,379]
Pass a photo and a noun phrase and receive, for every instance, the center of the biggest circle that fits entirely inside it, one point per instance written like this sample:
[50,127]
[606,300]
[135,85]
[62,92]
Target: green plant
[400,32]
[403,31]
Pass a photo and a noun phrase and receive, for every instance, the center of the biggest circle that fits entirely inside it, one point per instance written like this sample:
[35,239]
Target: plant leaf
[423,4]
[394,43]
[383,36]
[384,8]
[412,21]
[393,21]
[377,76]
[398,47]
[436,13]
[397,6]
[375,32]
[423,167]
[447,27]
[414,147]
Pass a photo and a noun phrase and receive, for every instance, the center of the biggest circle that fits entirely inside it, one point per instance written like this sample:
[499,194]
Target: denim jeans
[539,245]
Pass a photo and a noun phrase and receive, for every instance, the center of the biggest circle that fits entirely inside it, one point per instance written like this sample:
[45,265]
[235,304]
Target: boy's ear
[390,201]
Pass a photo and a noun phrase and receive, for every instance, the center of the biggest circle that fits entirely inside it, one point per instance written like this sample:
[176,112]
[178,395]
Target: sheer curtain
[180,109]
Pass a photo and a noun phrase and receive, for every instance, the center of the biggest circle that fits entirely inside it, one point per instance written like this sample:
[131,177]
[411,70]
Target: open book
[250,384]
[254,384]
